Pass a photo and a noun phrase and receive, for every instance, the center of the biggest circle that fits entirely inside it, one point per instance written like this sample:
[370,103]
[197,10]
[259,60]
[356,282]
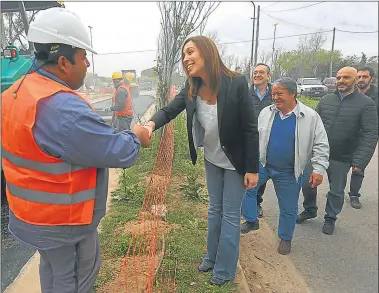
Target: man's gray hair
[288,83]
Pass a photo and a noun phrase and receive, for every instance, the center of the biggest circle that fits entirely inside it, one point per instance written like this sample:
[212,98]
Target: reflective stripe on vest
[51,198]
[50,168]
[41,189]
[128,106]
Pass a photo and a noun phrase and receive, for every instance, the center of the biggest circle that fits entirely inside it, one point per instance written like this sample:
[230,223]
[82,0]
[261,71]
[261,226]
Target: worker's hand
[315,179]
[150,126]
[251,180]
[143,135]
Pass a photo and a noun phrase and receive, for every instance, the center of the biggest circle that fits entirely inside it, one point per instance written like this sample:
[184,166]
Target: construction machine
[134,87]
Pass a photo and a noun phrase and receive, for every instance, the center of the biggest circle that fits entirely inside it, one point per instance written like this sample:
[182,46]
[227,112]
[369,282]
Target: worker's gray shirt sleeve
[121,97]
[67,128]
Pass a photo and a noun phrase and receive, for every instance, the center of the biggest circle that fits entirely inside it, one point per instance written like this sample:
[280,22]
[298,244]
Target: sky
[135,26]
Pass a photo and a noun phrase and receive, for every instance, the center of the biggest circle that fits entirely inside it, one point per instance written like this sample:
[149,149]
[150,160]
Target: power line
[282,37]
[296,8]
[294,24]
[357,32]
[127,52]
[239,42]
[271,5]
[313,28]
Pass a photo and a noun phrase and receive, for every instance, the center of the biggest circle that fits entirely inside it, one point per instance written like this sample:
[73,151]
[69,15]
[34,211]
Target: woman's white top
[207,116]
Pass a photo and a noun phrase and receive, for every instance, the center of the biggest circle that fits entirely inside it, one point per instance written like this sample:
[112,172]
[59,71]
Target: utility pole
[257,36]
[331,55]
[252,45]
[273,48]
[93,62]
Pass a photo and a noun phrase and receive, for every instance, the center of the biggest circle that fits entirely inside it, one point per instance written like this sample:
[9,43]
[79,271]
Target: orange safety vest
[128,106]
[41,189]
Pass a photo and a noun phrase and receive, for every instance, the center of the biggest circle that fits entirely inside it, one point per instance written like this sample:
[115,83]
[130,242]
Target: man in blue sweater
[290,135]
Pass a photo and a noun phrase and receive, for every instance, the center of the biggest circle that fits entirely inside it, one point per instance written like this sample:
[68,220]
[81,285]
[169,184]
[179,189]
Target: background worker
[122,104]
[56,155]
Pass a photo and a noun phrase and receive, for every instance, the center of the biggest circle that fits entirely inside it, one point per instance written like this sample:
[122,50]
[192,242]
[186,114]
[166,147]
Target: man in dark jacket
[351,122]
[260,91]
[365,78]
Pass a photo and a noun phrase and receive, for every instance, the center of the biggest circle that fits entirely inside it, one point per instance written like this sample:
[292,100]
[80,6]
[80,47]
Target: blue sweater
[281,145]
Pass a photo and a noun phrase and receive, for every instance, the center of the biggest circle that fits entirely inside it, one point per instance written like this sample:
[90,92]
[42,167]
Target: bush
[129,188]
[193,189]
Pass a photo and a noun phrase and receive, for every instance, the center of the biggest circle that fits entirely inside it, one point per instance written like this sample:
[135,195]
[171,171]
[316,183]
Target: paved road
[141,104]
[13,254]
[346,262]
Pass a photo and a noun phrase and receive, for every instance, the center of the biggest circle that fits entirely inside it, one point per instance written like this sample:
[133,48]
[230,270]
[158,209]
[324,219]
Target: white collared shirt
[285,116]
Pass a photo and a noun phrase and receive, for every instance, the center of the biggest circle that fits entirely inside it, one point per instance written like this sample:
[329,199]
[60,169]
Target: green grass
[126,203]
[186,244]
[309,101]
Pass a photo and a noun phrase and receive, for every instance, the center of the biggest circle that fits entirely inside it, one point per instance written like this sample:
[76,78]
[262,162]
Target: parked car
[330,83]
[311,87]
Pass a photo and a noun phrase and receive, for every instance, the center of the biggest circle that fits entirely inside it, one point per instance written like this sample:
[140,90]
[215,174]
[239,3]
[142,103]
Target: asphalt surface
[347,261]
[14,255]
[141,104]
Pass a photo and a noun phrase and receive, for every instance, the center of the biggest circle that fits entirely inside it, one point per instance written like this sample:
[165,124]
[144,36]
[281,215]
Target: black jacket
[372,92]
[258,104]
[352,127]
[237,123]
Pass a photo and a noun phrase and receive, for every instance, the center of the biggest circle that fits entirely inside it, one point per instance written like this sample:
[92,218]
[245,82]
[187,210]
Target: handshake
[144,132]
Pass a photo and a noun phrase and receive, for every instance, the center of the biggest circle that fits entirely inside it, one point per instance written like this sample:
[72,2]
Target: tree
[178,21]
[13,29]
[213,35]
[148,72]
[229,60]
[264,57]
[363,61]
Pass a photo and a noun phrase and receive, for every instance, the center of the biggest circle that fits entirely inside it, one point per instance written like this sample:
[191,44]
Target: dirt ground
[265,270]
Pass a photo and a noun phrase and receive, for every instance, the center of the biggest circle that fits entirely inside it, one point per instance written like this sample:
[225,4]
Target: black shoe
[249,226]
[305,216]
[354,201]
[328,228]
[260,211]
[218,282]
[284,247]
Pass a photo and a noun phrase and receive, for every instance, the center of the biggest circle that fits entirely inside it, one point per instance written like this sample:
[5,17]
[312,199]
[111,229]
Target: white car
[311,87]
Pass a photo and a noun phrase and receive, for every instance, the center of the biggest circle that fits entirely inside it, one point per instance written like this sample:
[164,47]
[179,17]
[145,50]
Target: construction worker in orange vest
[56,152]
[122,104]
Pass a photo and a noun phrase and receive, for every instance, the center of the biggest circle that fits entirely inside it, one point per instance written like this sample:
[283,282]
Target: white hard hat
[59,25]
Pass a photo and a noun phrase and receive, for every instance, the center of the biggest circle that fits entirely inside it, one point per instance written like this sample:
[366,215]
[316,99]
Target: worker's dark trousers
[337,176]
[356,182]
[122,123]
[71,268]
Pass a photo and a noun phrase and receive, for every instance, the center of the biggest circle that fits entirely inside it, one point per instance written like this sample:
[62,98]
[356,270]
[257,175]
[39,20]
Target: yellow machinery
[131,76]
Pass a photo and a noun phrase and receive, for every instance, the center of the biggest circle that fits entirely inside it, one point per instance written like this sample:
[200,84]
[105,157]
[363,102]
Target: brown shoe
[284,247]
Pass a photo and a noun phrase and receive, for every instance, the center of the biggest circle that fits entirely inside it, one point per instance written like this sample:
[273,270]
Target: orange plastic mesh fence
[141,263]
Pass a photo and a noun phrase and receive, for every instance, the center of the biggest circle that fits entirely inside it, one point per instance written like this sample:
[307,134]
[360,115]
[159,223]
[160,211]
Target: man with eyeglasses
[260,91]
